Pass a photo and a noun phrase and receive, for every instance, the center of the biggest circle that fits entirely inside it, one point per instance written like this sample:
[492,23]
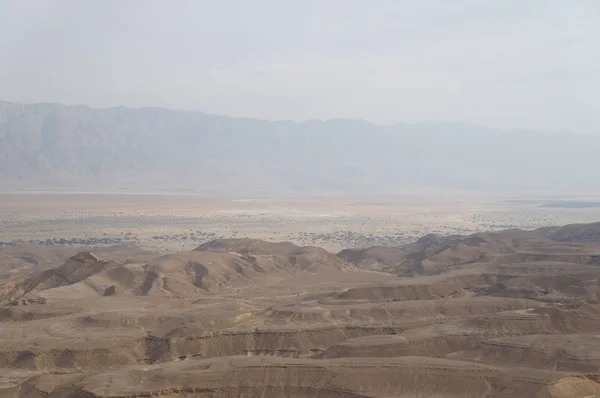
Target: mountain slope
[53,145]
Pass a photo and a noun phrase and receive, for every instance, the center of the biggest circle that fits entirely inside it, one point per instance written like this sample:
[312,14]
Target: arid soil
[177,222]
[512,313]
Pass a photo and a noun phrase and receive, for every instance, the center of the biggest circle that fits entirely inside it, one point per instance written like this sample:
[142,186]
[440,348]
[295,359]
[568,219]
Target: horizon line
[334,119]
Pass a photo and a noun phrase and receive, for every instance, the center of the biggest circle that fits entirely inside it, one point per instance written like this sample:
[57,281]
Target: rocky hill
[433,254]
[510,314]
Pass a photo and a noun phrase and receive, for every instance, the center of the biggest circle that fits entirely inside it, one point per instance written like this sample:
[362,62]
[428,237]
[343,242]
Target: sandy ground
[172,222]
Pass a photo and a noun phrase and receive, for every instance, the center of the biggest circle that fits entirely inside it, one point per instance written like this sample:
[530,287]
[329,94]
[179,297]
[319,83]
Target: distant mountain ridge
[59,146]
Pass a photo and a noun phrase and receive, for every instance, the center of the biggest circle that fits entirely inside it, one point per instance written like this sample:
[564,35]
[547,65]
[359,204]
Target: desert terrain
[180,296]
[167,222]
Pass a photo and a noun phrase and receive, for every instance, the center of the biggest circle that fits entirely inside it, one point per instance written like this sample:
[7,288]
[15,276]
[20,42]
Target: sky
[500,63]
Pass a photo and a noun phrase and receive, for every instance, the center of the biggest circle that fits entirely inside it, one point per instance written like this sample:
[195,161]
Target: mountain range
[54,146]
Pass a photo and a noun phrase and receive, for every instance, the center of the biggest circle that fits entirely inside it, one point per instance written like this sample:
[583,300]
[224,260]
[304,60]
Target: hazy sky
[500,63]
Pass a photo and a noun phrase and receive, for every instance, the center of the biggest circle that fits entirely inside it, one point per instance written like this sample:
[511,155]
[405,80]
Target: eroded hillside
[506,314]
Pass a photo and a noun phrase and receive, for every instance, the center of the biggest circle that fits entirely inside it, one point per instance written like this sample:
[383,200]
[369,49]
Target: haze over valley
[321,199]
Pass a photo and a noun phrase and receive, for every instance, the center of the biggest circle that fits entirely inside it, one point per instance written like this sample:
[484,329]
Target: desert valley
[425,298]
[299,199]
